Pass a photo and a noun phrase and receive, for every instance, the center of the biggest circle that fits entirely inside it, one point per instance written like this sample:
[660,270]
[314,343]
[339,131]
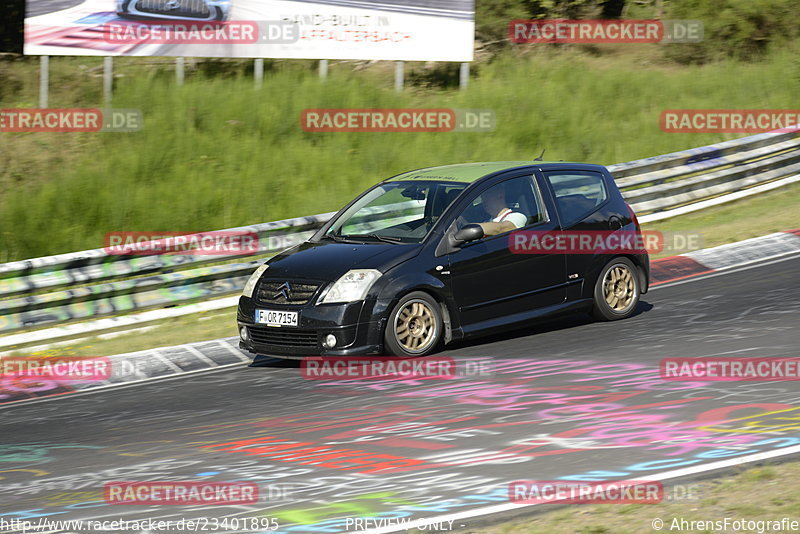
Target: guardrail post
[44,80]
[108,79]
[323,69]
[399,72]
[463,76]
[258,72]
[180,70]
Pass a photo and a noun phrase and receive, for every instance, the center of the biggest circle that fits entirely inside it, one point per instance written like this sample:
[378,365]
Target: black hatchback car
[444,253]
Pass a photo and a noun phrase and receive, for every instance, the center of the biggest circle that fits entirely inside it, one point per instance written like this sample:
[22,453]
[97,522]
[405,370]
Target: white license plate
[276,318]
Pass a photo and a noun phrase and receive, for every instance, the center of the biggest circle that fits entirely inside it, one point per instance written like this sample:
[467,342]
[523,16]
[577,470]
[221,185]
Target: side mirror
[470,232]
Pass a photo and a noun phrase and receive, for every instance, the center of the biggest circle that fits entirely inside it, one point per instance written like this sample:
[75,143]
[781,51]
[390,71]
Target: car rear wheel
[616,292]
[414,327]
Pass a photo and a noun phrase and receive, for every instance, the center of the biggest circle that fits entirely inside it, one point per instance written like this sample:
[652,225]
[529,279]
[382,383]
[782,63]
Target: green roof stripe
[463,172]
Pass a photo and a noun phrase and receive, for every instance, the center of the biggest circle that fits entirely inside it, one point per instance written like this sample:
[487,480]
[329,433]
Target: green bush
[492,16]
[11,27]
[742,29]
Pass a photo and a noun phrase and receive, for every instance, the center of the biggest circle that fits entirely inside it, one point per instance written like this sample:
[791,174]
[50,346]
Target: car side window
[516,201]
[578,193]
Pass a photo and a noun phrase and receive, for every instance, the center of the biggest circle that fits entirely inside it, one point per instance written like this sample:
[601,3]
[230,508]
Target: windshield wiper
[334,237]
[385,239]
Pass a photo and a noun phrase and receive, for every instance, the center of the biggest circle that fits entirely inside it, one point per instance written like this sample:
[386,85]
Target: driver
[503,219]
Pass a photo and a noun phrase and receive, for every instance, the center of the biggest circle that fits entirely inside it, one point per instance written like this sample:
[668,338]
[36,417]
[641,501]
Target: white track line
[200,356]
[234,351]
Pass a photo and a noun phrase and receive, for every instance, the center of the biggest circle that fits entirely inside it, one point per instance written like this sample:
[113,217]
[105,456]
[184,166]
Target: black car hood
[328,260]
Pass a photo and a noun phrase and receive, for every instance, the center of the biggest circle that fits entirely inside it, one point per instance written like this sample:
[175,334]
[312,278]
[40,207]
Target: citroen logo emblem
[283,291]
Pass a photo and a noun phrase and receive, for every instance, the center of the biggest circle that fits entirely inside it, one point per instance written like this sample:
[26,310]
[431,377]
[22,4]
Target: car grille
[279,337]
[179,8]
[285,292]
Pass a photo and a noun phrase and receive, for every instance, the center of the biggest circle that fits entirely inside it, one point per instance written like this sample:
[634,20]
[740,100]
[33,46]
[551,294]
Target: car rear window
[578,193]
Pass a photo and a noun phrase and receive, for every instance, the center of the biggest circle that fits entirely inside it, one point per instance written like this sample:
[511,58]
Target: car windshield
[396,212]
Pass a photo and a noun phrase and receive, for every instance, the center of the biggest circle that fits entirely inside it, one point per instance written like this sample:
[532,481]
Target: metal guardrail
[673,180]
[68,287]
[79,285]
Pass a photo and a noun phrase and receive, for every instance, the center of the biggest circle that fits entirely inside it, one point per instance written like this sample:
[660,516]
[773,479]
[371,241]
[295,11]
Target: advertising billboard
[413,30]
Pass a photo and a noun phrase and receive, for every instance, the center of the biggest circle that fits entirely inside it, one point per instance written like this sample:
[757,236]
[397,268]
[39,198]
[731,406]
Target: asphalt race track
[571,399]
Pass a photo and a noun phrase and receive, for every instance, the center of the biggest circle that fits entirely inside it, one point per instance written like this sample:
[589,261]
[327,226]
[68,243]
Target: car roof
[471,172]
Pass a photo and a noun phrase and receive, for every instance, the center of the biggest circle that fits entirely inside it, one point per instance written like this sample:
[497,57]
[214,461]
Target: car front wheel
[414,327]
[616,292]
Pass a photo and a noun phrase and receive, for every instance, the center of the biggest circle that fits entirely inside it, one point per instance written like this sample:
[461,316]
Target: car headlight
[352,286]
[250,286]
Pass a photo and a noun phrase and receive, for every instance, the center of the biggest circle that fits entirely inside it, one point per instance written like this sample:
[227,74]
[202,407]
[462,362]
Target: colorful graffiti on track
[400,448]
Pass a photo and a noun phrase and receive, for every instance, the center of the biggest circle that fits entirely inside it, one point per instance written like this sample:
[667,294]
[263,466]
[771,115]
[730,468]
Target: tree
[11,25]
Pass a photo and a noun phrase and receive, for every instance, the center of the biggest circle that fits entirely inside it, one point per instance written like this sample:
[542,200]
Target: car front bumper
[358,327]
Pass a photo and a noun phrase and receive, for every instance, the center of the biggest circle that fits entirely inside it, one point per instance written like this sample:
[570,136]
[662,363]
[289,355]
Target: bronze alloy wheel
[415,326]
[616,290]
[619,288]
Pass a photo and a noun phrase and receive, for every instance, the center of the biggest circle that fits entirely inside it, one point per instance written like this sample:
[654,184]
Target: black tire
[616,291]
[424,326]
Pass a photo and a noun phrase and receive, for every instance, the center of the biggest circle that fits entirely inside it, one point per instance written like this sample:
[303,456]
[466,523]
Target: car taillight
[633,215]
